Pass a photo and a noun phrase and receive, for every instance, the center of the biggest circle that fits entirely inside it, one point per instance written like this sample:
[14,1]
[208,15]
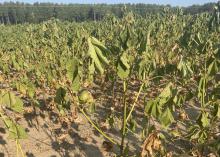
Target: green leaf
[101,57]
[217,110]
[184,67]
[31,92]
[175,133]
[144,67]
[76,83]
[123,67]
[166,118]
[60,95]
[152,108]
[94,57]
[14,63]
[166,94]
[72,68]
[122,73]
[21,87]
[132,125]
[13,102]
[216,93]
[124,60]
[124,38]
[91,71]
[15,131]
[203,119]
[97,52]
[92,108]
[101,50]
[213,68]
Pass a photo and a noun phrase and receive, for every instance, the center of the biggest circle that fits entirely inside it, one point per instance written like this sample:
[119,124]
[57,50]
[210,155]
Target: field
[128,86]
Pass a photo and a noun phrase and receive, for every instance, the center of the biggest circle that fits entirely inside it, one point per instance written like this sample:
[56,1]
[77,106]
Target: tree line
[17,12]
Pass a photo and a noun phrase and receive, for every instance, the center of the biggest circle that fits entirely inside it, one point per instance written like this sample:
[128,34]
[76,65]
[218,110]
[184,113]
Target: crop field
[131,87]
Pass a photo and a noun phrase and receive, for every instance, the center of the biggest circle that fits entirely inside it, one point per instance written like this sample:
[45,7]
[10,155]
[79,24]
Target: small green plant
[16,131]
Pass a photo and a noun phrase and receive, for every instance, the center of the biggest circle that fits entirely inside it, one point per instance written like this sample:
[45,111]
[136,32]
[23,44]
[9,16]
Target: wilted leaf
[152,108]
[166,117]
[72,68]
[151,144]
[96,52]
[60,95]
[123,67]
[165,94]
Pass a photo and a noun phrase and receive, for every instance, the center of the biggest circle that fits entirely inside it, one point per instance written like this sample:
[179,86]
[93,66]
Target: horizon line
[76,3]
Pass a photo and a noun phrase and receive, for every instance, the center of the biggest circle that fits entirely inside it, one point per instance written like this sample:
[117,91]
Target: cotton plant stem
[17,149]
[124,119]
[19,145]
[96,127]
[136,99]
[92,123]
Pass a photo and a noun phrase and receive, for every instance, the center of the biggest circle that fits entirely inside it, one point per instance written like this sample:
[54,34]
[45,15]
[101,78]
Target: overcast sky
[171,2]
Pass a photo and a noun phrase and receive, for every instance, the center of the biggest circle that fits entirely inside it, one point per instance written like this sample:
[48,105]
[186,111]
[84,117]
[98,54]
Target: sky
[171,2]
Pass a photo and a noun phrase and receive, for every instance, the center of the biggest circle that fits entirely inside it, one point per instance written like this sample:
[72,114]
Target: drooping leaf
[72,68]
[152,108]
[97,52]
[184,67]
[91,71]
[124,37]
[102,50]
[94,57]
[166,118]
[165,94]
[76,83]
[60,95]
[122,73]
[213,68]
[123,67]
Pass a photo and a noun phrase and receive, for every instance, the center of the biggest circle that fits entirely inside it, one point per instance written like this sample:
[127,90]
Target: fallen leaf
[151,143]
